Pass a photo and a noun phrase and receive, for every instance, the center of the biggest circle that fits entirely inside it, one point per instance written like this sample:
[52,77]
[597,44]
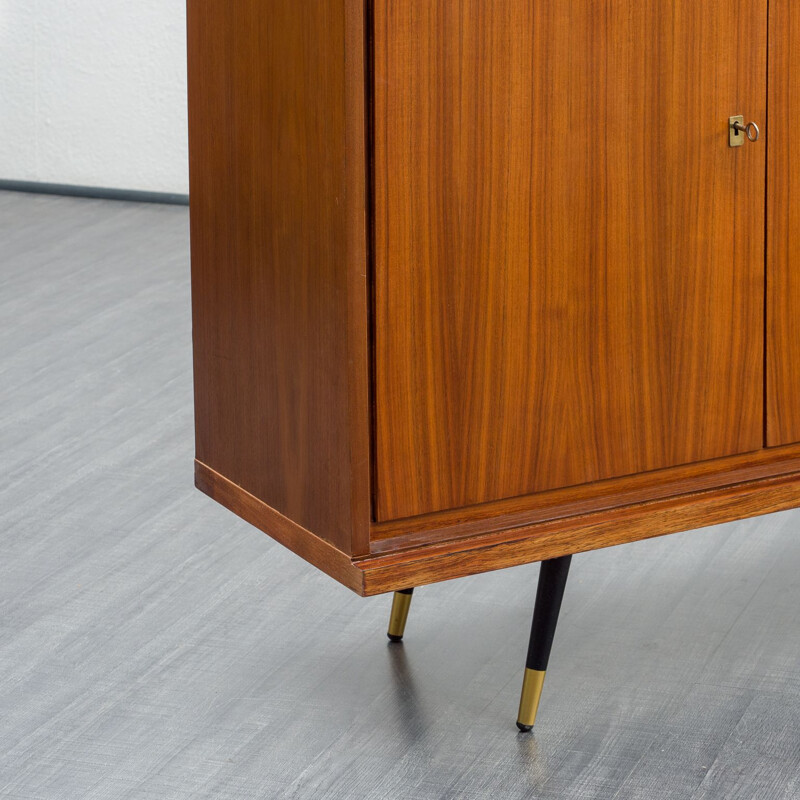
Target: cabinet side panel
[783,228]
[279,341]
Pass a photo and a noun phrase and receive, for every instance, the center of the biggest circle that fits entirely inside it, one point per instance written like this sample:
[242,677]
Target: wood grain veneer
[278,228]
[569,257]
[783,229]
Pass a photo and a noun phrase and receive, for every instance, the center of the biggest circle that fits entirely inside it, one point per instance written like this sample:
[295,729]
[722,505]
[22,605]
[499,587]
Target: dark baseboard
[102,193]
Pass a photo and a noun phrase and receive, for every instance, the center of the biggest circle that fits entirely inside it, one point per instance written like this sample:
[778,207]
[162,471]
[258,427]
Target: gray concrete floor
[154,646]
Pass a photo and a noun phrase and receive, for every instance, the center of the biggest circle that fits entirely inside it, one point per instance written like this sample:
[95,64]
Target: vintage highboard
[484,282]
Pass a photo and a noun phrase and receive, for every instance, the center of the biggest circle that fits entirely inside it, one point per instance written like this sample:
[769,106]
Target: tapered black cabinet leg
[550,592]
[399,615]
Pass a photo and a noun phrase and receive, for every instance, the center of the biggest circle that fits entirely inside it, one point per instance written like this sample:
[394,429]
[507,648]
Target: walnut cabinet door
[783,226]
[569,262]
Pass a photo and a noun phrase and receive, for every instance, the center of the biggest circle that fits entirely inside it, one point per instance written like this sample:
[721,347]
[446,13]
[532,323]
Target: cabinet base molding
[522,544]
[305,544]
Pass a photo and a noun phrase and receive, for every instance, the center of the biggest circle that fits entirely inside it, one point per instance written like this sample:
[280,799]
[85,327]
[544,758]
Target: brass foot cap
[399,615]
[529,700]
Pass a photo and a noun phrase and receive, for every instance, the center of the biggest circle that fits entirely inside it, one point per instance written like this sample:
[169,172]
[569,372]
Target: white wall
[93,92]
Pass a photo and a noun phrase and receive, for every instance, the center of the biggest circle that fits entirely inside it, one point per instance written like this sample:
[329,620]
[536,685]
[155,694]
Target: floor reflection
[531,760]
[408,708]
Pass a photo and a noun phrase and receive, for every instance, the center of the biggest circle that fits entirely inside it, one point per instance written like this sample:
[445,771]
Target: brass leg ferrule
[399,615]
[529,700]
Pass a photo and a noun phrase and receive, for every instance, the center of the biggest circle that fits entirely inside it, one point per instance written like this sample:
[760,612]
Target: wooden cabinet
[483,283]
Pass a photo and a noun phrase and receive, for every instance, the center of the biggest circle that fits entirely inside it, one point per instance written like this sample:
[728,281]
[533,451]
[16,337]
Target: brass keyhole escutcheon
[738,132]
